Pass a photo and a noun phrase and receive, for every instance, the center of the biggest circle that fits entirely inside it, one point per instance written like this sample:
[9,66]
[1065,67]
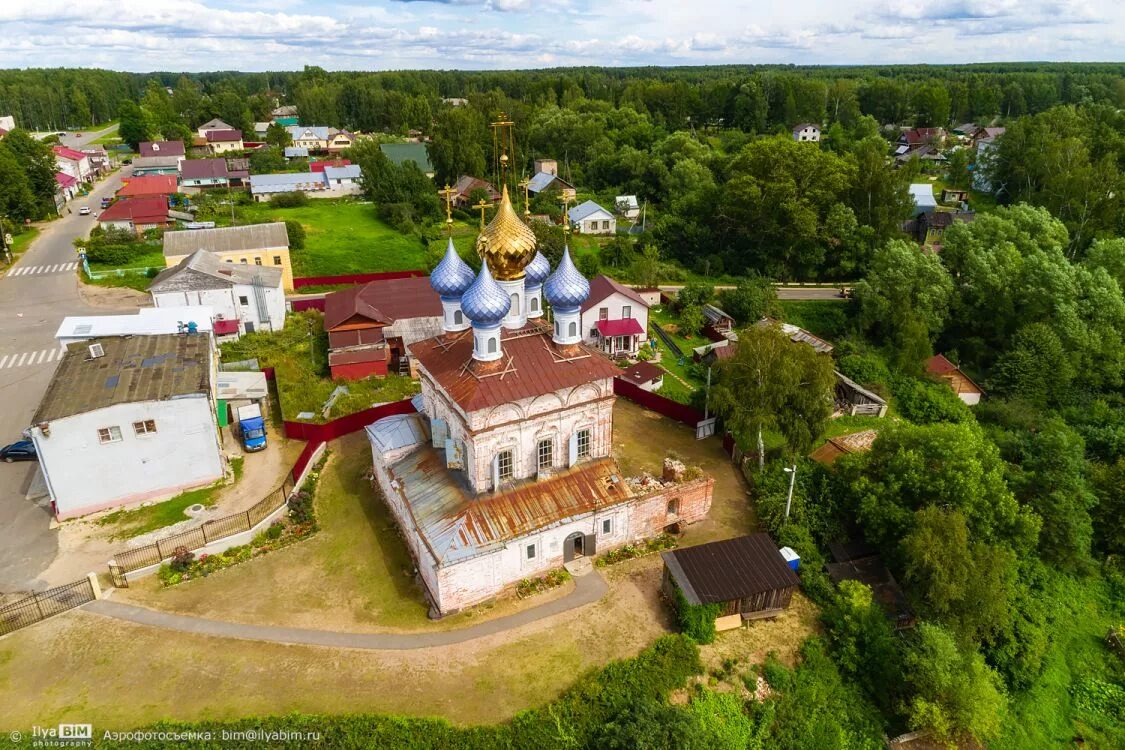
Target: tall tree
[457,147]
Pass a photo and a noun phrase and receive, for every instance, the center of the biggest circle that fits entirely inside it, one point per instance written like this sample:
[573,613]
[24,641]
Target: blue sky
[144,35]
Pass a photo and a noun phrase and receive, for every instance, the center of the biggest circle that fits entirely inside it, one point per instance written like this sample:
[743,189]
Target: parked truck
[252,427]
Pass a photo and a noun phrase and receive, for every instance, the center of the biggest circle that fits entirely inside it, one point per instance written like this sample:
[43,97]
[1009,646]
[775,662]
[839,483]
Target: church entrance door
[574,546]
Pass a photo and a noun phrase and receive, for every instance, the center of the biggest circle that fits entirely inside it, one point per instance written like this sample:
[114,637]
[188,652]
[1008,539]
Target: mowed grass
[22,241]
[342,237]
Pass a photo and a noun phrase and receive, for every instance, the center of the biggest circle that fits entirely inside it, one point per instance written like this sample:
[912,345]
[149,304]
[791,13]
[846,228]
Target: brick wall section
[693,498]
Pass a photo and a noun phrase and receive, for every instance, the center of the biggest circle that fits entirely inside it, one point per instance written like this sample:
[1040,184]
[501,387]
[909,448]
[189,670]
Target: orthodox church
[506,471]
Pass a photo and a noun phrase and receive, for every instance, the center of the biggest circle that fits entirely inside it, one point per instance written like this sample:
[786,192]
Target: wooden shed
[746,575]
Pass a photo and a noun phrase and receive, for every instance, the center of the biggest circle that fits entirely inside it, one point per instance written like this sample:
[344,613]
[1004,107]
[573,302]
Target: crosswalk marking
[44,269]
[24,359]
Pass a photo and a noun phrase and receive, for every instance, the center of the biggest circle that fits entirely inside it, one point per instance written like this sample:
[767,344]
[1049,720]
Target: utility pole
[5,241]
[792,480]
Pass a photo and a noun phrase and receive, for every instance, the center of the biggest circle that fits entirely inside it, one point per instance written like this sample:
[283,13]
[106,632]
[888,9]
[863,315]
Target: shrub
[696,621]
[928,401]
[301,507]
[290,200]
[865,369]
[296,232]
[274,530]
[182,559]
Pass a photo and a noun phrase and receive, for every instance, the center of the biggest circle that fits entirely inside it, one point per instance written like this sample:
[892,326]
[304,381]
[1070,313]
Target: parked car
[84,211]
[21,450]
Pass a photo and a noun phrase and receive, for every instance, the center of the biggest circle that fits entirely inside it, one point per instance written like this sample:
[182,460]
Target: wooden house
[962,384]
[746,576]
[853,399]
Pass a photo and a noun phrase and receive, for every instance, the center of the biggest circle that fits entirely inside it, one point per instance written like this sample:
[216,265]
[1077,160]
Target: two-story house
[614,317]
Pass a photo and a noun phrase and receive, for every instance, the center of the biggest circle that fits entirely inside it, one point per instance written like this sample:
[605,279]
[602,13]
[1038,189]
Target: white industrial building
[243,298]
[127,419]
[147,321]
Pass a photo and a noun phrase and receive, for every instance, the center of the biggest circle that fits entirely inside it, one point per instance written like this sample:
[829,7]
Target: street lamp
[792,471]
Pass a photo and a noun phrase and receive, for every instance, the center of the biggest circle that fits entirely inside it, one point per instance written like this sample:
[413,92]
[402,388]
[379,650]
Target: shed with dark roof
[746,576]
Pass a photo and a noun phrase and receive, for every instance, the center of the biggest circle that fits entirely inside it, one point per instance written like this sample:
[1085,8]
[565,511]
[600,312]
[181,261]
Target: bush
[928,401]
[696,621]
[296,232]
[290,200]
[274,530]
[182,559]
[114,255]
[300,507]
[866,369]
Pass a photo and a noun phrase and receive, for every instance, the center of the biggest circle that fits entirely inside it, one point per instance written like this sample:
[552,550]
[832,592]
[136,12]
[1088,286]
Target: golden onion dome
[506,244]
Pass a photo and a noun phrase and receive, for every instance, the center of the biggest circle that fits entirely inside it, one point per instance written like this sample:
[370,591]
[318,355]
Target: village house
[100,162]
[66,188]
[467,185]
[747,577]
[74,163]
[146,165]
[7,123]
[326,182]
[222,141]
[930,227]
[962,384]
[136,214]
[852,399]
[161,148]
[508,470]
[806,131]
[718,322]
[644,375]
[340,140]
[922,193]
[914,138]
[242,297]
[215,124]
[312,137]
[252,245]
[370,327]
[590,218]
[148,186]
[546,179]
[204,173]
[627,206]
[285,114]
[614,318]
[137,413]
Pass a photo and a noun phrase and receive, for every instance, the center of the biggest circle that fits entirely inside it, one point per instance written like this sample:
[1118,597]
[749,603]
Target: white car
[84,211]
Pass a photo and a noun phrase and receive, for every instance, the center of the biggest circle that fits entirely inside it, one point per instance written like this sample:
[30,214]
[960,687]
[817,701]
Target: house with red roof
[962,384]
[370,326]
[222,141]
[74,163]
[136,214]
[614,317]
[204,173]
[149,186]
[161,148]
[66,187]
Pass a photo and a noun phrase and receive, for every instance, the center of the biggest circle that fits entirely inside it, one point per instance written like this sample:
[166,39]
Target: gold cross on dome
[481,206]
[566,213]
[526,196]
[448,194]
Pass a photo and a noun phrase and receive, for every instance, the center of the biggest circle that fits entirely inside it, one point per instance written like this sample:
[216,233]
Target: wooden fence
[136,558]
[40,606]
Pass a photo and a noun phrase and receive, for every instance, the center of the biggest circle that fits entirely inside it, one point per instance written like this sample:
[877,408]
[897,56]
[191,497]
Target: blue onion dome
[485,302]
[452,276]
[566,288]
[536,271]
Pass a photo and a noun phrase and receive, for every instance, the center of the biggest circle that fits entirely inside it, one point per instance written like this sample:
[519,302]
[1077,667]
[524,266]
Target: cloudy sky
[145,35]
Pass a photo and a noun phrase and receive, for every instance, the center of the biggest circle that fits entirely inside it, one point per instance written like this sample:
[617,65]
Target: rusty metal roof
[456,525]
[730,569]
[383,301]
[531,366]
[129,369]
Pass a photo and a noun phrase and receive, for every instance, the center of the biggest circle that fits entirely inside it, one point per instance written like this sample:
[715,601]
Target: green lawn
[130,523]
[342,237]
[22,241]
[299,354]
[154,259]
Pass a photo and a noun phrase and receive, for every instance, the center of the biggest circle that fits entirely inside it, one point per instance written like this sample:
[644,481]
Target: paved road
[588,588]
[74,140]
[35,295]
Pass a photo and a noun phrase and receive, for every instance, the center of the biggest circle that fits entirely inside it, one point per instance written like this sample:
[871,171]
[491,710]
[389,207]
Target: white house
[222,141]
[806,131]
[127,419]
[312,137]
[215,124]
[590,218]
[7,122]
[242,297]
[614,317]
[74,163]
[627,206]
[147,321]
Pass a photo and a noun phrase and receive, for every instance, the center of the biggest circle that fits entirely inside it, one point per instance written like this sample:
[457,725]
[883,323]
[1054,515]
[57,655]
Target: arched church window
[458,318]
[491,345]
[573,329]
[515,304]
[534,304]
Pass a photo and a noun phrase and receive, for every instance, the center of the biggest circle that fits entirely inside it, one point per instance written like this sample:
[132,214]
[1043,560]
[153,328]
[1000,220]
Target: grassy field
[342,237]
[299,353]
[22,241]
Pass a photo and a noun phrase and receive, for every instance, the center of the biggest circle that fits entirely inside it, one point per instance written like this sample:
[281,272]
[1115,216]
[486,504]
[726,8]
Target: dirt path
[116,298]
[262,472]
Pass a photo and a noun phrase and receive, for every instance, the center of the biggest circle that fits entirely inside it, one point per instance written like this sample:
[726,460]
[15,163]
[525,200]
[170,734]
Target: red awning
[623,327]
[224,327]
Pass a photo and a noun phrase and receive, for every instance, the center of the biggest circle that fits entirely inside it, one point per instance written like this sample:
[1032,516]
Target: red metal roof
[355,337]
[137,210]
[383,301]
[68,153]
[642,372]
[161,148]
[148,185]
[195,169]
[318,166]
[357,356]
[223,135]
[621,327]
[532,366]
[939,365]
[65,180]
[601,286]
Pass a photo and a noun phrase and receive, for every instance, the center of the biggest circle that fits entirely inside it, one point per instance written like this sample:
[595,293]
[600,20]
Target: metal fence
[200,536]
[40,606]
[119,272]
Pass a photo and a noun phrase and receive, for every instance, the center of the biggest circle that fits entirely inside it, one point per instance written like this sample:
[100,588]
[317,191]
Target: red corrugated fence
[666,406]
[354,278]
[299,305]
[345,425]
